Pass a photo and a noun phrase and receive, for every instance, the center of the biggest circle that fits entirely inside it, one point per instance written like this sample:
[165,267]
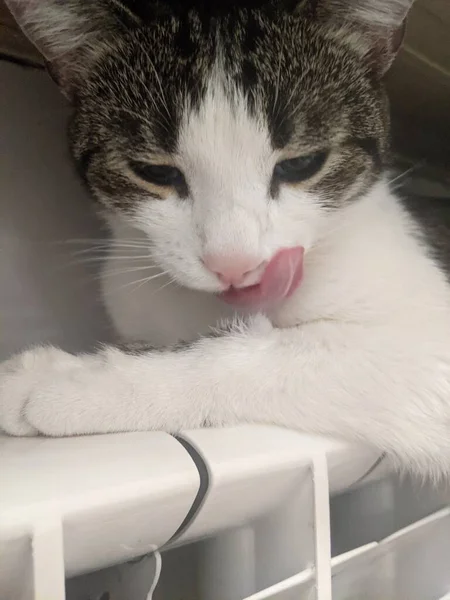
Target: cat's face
[226,137]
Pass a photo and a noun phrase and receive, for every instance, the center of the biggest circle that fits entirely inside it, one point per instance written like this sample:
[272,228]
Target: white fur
[360,351]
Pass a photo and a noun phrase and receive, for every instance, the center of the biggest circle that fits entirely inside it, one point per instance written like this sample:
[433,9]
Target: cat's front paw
[27,381]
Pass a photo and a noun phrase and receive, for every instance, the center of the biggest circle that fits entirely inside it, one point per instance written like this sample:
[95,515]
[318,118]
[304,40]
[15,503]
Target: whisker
[164,125]
[170,282]
[276,104]
[125,257]
[132,270]
[158,79]
[106,249]
[405,173]
[105,240]
[139,116]
[129,68]
[107,256]
[141,281]
[96,260]
[168,117]
[108,243]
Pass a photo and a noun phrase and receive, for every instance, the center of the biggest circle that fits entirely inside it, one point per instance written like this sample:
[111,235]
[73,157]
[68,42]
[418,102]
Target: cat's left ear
[375,27]
[70,33]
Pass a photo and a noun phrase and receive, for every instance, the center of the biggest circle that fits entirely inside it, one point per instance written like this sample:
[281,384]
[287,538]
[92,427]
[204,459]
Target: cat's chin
[248,297]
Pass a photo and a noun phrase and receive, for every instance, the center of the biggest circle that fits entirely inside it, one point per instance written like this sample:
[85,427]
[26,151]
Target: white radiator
[230,514]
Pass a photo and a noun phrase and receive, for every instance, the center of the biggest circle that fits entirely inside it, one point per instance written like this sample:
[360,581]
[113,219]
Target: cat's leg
[371,384]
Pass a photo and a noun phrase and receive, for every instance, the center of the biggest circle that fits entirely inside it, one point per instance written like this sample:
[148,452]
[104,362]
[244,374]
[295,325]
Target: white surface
[118,497]
[418,558]
[121,496]
[276,459]
[141,577]
[48,558]
[322,528]
[106,499]
[262,492]
[44,295]
[299,587]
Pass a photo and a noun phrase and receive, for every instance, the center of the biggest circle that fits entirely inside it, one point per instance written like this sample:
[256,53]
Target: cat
[239,155]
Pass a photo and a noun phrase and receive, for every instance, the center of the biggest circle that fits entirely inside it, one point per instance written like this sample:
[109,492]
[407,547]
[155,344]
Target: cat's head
[225,131]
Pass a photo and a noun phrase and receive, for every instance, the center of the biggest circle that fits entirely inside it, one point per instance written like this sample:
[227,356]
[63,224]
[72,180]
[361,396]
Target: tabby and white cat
[239,154]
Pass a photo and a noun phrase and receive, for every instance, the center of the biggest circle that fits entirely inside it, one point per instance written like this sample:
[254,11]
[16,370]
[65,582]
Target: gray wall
[44,295]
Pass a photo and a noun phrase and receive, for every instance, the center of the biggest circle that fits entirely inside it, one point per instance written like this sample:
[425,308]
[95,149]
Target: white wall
[44,296]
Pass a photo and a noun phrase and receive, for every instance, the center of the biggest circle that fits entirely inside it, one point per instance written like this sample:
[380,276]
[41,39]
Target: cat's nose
[233,269]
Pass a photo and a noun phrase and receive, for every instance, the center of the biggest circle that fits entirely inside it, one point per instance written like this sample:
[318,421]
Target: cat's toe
[70,402]
[16,381]
[20,378]
[56,408]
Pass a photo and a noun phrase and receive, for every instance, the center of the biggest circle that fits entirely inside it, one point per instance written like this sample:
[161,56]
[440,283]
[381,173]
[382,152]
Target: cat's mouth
[280,279]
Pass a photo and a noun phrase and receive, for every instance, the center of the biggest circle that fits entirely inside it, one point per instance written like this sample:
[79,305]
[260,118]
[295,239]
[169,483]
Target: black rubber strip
[202,490]
[23,62]
[375,465]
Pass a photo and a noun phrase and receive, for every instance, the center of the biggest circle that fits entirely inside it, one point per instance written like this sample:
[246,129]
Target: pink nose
[232,269]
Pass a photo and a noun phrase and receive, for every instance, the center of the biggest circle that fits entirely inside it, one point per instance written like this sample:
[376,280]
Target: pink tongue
[280,279]
[282,275]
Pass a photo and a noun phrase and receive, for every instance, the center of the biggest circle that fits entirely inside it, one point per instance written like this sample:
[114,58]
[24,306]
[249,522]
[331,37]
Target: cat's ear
[69,33]
[375,27]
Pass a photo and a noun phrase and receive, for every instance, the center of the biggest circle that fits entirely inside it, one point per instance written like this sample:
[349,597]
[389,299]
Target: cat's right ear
[375,28]
[68,33]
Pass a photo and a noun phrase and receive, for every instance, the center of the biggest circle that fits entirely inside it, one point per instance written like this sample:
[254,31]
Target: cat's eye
[162,175]
[295,170]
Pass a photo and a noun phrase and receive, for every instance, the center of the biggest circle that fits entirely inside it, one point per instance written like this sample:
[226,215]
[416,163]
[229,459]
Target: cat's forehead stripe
[222,135]
[282,87]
